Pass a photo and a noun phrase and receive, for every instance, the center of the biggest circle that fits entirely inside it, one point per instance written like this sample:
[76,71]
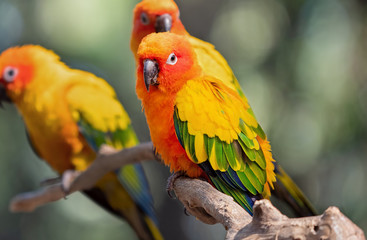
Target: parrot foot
[67,180]
[50,181]
[186,212]
[171,181]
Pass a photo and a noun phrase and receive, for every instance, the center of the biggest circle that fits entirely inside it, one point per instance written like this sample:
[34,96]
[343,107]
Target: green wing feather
[239,173]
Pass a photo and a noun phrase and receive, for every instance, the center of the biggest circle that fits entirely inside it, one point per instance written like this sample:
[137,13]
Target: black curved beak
[150,71]
[163,23]
[3,96]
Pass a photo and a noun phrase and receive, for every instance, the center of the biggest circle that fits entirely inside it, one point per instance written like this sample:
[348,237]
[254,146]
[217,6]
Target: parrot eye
[172,59]
[144,18]
[9,74]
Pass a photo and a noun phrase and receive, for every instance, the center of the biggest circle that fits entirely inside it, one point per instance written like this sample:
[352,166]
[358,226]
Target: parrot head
[166,62]
[155,16]
[18,67]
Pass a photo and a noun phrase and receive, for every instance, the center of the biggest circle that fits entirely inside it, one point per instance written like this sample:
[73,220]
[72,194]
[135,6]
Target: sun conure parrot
[198,124]
[68,115]
[163,16]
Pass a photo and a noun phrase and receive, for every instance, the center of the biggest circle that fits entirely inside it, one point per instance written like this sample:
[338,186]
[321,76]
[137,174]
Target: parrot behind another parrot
[198,124]
[163,16]
[68,115]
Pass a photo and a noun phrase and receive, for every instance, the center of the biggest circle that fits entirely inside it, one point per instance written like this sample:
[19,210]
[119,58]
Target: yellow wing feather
[212,108]
[96,100]
[214,64]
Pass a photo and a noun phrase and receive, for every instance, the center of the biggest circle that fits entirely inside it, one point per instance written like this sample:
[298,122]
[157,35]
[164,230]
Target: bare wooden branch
[202,201]
[28,202]
[211,206]
[107,160]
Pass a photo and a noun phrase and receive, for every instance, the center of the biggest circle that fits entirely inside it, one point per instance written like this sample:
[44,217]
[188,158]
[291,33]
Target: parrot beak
[151,71]
[3,96]
[163,23]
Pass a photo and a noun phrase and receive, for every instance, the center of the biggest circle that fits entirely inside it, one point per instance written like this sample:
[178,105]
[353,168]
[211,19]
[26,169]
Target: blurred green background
[301,63]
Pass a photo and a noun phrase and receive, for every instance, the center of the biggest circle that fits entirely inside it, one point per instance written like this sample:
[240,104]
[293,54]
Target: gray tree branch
[108,160]
[211,206]
[202,201]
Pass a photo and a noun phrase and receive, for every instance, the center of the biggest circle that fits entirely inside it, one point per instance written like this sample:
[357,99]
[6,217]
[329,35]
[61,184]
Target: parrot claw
[171,181]
[186,212]
[171,194]
[67,180]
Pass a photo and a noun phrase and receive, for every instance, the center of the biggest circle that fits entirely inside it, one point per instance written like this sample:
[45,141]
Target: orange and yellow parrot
[68,115]
[163,16]
[199,125]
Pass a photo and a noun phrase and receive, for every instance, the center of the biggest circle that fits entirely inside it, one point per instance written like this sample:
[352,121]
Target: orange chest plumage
[159,110]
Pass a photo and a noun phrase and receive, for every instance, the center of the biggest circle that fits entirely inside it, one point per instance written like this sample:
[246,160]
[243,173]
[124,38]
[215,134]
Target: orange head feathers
[155,16]
[18,65]
[165,62]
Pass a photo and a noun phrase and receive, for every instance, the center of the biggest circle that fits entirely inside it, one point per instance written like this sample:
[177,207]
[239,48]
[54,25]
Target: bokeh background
[301,63]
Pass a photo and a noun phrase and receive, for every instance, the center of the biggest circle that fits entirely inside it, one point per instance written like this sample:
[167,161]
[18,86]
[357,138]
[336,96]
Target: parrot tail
[145,225]
[286,190]
[153,229]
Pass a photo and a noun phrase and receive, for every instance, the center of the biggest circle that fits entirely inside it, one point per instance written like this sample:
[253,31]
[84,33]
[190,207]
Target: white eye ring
[172,59]
[9,74]
[144,19]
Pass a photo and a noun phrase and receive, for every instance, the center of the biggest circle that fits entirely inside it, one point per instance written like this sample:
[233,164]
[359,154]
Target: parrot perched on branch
[68,115]
[203,127]
[163,16]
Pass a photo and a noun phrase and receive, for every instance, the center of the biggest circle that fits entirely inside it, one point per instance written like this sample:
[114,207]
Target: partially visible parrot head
[166,62]
[18,66]
[155,16]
